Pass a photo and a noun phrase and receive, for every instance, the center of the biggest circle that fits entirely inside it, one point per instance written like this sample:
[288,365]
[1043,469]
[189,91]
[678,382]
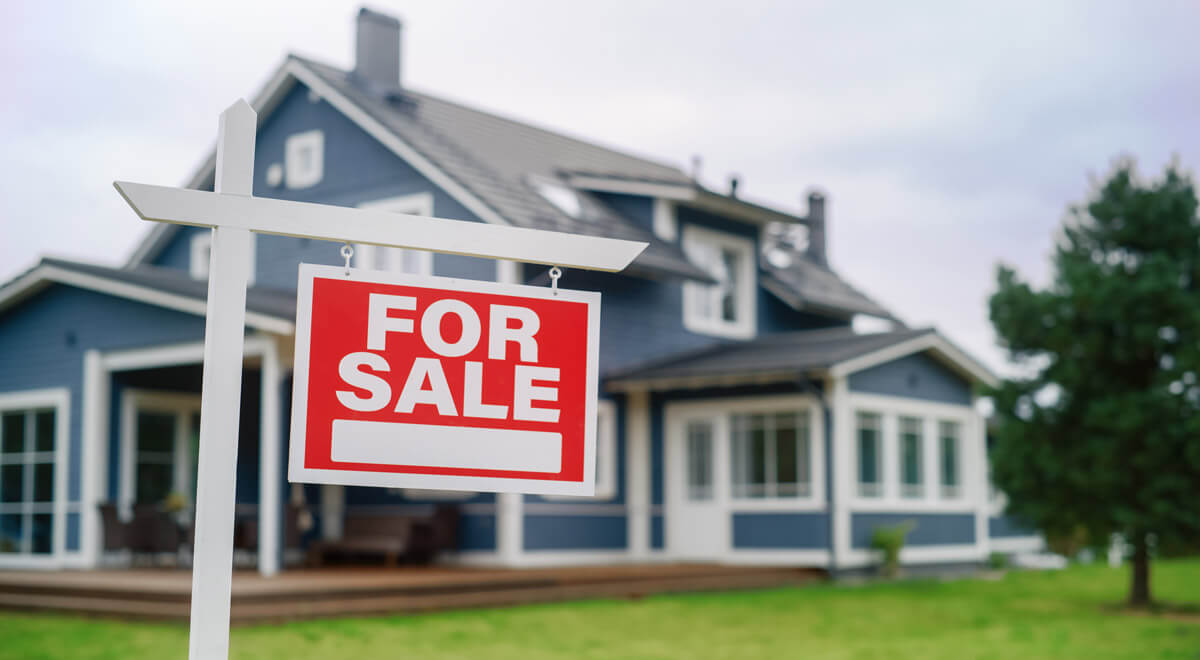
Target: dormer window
[725,308]
[304,159]
[562,197]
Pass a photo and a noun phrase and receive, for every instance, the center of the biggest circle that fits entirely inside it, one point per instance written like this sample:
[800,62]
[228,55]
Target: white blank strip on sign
[393,443]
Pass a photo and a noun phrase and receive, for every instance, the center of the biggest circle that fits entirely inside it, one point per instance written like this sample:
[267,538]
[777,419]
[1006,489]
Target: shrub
[889,540]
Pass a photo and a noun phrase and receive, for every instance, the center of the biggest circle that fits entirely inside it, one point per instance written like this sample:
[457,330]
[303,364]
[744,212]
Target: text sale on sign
[429,382]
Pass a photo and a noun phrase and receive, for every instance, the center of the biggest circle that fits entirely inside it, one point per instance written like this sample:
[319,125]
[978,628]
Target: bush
[889,540]
[998,561]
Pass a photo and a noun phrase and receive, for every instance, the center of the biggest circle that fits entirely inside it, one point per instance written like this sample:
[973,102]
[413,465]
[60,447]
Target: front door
[697,520]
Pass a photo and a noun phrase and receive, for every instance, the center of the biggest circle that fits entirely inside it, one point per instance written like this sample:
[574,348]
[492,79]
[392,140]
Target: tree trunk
[1139,588]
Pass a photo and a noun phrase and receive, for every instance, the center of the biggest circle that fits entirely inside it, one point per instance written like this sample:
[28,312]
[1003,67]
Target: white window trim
[678,414]
[891,409]
[414,204]
[179,404]
[745,326]
[58,399]
[606,452]
[201,249]
[200,255]
[665,223]
[294,177]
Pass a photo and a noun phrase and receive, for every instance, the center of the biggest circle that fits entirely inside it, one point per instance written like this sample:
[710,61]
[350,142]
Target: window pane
[869,455]
[44,430]
[729,284]
[155,432]
[43,533]
[43,482]
[153,482]
[948,432]
[749,451]
[13,430]
[699,461]
[12,483]
[910,457]
[12,531]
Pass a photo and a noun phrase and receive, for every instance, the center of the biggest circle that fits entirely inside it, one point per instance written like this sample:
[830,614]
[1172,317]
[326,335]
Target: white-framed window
[160,443]
[397,260]
[304,159]
[726,308]
[912,458]
[33,427]
[201,253]
[950,455]
[606,454]
[700,458]
[869,449]
[770,455]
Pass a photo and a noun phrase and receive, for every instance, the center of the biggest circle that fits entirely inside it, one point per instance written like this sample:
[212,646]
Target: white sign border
[297,473]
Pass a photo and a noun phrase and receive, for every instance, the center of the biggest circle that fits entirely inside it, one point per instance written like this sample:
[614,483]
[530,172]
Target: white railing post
[220,407]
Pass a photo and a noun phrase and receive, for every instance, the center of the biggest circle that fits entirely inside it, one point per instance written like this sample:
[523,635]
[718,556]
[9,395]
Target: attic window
[727,307]
[304,159]
[562,197]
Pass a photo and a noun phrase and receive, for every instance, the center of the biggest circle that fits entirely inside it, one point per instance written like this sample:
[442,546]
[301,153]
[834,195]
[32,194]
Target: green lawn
[1067,614]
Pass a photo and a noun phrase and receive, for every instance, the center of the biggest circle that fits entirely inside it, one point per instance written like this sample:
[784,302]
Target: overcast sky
[947,137]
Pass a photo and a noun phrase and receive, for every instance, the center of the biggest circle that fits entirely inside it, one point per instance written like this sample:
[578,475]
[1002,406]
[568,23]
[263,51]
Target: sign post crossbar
[232,212]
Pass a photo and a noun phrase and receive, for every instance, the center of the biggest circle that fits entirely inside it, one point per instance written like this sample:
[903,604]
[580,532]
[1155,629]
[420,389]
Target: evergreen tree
[1103,433]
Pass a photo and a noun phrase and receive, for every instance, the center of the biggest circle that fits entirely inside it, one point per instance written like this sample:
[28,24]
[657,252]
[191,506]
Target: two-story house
[742,418]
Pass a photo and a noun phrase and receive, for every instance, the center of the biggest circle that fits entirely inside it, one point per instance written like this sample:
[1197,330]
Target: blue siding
[73,531]
[774,316]
[477,531]
[575,532]
[790,530]
[357,169]
[638,208]
[931,528]
[916,376]
[43,339]
[1006,526]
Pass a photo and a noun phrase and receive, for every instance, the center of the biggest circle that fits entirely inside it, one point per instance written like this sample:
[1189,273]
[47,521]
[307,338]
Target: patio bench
[392,537]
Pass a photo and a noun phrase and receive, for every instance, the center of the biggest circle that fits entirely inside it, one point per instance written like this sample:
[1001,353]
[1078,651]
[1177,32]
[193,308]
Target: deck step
[301,595]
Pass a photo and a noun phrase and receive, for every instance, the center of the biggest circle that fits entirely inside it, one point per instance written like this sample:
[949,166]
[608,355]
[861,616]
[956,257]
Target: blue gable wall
[357,169]
[916,376]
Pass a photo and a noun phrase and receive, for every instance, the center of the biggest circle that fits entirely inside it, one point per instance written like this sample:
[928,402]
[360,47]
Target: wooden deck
[163,594]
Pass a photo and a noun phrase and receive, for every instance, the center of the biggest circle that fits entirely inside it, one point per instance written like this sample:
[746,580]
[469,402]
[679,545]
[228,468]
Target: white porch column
[94,458]
[270,442]
[637,473]
[841,469]
[510,527]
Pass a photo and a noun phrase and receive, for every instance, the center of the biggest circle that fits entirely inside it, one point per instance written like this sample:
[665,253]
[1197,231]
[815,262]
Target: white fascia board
[953,357]
[43,275]
[671,191]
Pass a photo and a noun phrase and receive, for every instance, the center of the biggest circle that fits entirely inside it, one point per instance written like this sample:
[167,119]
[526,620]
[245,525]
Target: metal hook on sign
[555,273]
[347,252]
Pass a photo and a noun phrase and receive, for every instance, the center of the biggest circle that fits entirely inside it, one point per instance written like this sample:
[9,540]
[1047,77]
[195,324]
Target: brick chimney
[816,228]
[377,51]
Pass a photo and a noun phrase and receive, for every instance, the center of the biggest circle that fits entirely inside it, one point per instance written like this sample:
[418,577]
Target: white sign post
[232,213]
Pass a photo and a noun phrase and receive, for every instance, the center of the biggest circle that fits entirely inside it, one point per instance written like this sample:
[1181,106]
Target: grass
[1066,614]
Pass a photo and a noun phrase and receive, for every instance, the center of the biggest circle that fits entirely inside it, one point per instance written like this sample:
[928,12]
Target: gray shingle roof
[817,287]
[494,157]
[785,353]
[276,303]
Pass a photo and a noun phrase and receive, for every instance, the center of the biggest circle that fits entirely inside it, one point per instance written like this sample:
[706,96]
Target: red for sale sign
[431,382]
